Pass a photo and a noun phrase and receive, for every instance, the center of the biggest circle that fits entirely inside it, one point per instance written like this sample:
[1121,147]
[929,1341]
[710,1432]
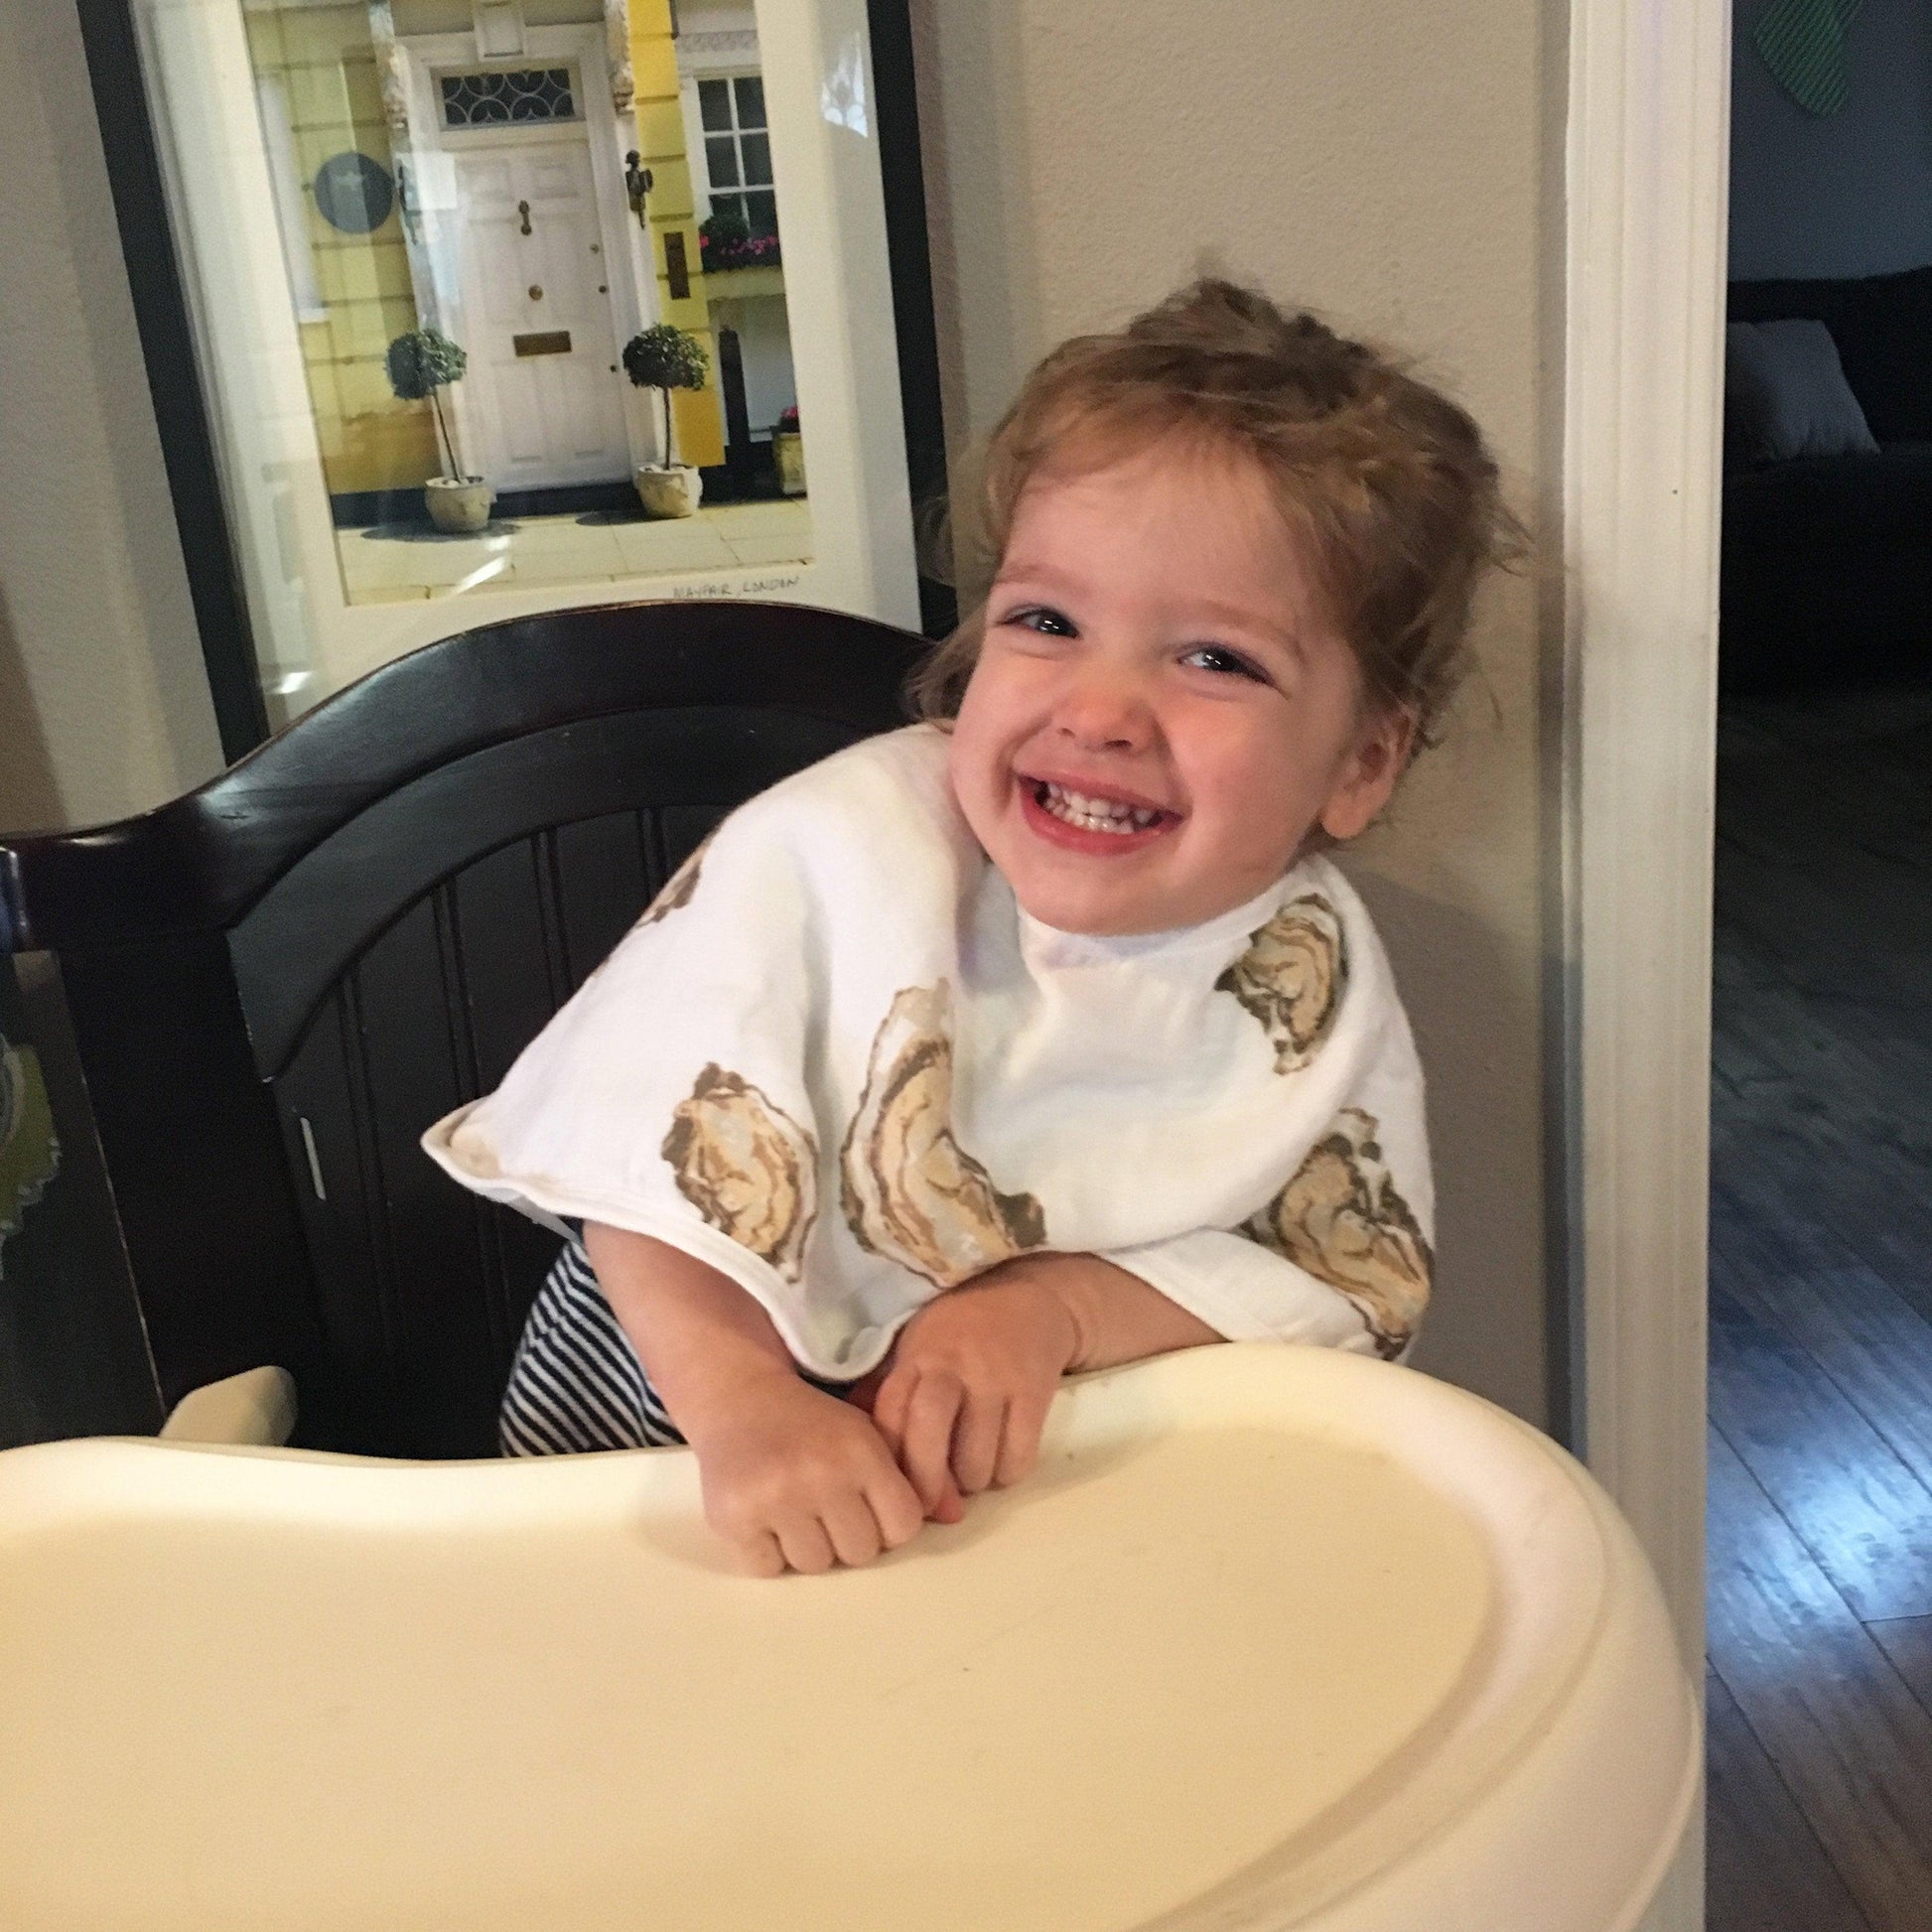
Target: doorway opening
[1820,1520]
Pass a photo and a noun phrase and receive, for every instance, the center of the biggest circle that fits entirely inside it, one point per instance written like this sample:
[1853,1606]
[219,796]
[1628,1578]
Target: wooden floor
[1821,1310]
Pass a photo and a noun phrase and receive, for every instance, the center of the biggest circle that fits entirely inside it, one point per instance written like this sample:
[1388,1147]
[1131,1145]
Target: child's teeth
[1096,814]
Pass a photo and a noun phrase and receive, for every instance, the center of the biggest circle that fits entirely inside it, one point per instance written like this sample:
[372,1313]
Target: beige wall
[103,700]
[1395,166]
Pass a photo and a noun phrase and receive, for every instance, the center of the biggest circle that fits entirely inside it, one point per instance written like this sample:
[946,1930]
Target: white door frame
[633,289]
[1647,156]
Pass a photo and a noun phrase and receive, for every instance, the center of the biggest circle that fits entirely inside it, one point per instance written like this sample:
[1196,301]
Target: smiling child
[1039,1036]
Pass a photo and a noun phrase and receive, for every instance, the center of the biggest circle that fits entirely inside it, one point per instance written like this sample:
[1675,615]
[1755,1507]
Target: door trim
[1646,153]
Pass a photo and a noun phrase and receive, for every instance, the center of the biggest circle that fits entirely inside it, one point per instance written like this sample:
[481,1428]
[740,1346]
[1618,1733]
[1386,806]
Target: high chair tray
[1273,1637]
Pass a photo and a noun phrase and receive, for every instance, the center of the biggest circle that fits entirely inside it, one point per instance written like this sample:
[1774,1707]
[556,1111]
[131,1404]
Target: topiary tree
[664,358]
[420,363]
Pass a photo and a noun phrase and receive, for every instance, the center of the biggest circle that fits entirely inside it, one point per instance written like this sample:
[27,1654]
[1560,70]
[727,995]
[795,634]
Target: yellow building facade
[323,65]
[671,211]
[323,61]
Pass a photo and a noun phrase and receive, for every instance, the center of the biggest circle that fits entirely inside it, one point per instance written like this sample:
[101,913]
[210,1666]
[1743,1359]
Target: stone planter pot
[789,454]
[460,504]
[668,493]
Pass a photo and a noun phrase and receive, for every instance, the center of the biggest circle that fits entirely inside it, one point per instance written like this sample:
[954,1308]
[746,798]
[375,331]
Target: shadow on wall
[986,284]
[30,800]
[1442,955]
[73,1353]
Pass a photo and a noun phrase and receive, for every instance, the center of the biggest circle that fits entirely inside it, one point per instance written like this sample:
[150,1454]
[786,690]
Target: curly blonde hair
[1387,484]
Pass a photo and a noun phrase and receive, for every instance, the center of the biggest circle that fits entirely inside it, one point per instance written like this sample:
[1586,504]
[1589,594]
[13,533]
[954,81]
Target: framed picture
[462,310]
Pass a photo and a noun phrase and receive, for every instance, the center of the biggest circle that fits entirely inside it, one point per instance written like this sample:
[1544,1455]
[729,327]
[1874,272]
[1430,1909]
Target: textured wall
[1847,195]
[103,699]
[1398,169]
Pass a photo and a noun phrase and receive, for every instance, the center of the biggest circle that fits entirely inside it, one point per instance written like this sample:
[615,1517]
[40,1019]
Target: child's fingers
[889,1408]
[888,1416]
[895,1508]
[852,1529]
[976,1440]
[1020,1443]
[806,1546]
[925,1448]
[760,1554]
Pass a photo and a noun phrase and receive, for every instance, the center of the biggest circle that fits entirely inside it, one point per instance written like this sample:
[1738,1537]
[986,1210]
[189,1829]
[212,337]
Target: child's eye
[1220,658]
[1044,618]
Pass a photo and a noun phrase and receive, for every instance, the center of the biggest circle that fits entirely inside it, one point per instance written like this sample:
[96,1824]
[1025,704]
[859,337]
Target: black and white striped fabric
[577,1383]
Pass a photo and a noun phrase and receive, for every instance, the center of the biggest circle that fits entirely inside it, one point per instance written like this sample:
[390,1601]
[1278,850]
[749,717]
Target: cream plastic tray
[1274,1637]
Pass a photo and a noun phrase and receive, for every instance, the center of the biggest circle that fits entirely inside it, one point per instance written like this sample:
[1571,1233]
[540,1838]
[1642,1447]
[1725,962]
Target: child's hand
[972,1377]
[796,1479]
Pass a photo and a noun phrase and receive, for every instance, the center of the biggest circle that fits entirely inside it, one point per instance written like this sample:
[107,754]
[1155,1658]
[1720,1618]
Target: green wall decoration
[1803,43]
[29,1152]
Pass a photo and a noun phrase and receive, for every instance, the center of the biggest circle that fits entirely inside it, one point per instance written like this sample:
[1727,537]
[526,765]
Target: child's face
[1154,641]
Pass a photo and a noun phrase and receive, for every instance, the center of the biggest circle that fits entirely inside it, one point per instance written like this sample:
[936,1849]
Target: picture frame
[189,133]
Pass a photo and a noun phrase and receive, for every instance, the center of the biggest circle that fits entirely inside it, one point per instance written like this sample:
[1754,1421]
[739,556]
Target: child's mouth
[1082,822]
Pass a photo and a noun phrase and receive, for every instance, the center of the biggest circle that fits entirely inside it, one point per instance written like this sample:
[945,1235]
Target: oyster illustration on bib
[675,891]
[678,888]
[1341,1220]
[910,1193]
[1292,978]
[749,1169]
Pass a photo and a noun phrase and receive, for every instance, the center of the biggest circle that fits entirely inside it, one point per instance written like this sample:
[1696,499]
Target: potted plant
[664,358]
[726,242]
[788,453]
[420,363]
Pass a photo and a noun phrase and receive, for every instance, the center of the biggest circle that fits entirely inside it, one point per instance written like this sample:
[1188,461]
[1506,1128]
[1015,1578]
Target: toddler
[1039,1035]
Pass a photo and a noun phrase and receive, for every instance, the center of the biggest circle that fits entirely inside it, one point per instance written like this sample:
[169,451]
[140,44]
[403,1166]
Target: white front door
[544,401]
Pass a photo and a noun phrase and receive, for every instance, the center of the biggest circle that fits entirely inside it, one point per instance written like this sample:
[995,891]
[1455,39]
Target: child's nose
[1105,708]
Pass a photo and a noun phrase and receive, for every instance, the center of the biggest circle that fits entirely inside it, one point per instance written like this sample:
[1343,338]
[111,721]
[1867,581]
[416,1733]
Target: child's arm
[974,1371]
[791,1477]
[1250,1293]
[1118,1316]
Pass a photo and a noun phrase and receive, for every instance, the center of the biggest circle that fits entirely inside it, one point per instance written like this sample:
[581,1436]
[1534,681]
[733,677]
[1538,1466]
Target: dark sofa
[1827,565]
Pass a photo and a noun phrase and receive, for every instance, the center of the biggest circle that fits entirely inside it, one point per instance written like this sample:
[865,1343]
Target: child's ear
[1369,777]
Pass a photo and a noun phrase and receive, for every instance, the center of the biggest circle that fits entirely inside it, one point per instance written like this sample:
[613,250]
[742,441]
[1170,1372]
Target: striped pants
[577,1383]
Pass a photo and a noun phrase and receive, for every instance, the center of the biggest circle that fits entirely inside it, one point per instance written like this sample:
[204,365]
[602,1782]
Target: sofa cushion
[1880,324]
[1785,394]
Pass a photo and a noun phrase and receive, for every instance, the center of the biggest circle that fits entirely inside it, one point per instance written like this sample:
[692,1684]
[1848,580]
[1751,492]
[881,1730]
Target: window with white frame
[500,96]
[738,151]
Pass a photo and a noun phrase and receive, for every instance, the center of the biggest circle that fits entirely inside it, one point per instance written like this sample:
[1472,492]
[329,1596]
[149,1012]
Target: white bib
[837,1061]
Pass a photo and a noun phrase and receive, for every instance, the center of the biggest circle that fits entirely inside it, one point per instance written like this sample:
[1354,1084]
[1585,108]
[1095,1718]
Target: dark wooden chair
[276,983]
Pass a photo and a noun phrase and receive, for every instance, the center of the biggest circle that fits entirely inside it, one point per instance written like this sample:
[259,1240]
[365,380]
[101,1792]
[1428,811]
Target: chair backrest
[277,982]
